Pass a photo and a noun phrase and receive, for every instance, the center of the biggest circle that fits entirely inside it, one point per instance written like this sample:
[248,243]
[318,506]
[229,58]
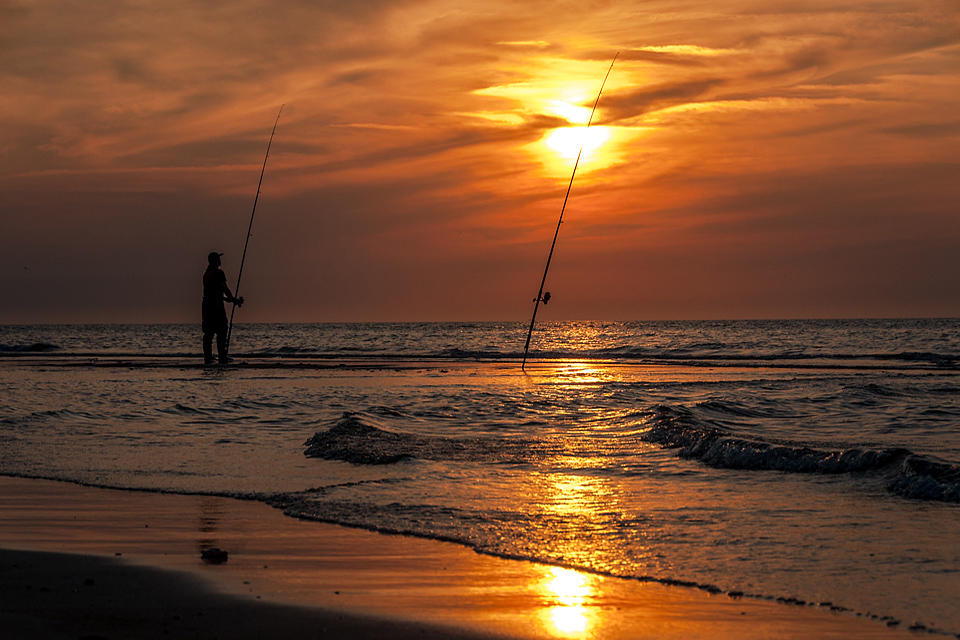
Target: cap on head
[213,257]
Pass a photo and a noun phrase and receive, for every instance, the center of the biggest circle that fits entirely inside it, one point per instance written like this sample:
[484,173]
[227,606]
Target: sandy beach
[85,562]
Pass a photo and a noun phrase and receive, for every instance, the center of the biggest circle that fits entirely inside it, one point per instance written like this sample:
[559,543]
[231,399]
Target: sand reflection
[569,595]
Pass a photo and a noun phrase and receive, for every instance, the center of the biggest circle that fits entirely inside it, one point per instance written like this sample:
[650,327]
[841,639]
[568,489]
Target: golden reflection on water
[578,508]
[576,372]
[570,597]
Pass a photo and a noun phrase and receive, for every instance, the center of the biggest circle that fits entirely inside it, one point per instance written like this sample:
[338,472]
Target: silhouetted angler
[215,293]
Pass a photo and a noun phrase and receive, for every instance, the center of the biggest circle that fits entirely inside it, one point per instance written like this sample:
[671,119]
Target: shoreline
[128,563]
[504,364]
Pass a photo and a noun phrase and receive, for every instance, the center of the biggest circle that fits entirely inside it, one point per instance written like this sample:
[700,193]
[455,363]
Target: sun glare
[569,140]
[570,112]
[566,91]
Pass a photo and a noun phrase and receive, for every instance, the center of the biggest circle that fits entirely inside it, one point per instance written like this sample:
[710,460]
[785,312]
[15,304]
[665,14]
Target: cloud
[935,130]
[651,98]
[408,178]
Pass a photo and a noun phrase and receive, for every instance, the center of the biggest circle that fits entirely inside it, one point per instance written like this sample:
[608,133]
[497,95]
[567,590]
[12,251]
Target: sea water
[815,462]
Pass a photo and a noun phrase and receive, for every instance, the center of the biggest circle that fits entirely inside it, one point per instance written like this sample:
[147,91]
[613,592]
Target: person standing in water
[215,293]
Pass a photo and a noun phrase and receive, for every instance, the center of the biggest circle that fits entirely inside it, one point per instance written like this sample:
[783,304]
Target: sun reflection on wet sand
[570,615]
[280,559]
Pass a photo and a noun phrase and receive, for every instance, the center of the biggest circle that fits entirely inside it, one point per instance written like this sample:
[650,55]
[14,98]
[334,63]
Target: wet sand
[85,562]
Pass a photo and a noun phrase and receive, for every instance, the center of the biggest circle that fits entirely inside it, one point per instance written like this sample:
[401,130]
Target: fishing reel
[545,298]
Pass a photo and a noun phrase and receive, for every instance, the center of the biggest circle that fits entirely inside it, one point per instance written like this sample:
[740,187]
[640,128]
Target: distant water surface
[814,461]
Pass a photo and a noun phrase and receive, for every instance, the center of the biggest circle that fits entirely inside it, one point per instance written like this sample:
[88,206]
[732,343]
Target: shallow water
[814,460]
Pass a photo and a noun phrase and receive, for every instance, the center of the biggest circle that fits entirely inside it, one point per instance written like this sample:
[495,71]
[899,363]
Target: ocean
[812,462]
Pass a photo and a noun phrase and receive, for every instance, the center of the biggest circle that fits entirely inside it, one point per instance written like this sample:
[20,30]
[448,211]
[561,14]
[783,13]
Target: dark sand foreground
[91,563]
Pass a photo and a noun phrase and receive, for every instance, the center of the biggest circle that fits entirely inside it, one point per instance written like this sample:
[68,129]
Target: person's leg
[222,343]
[208,346]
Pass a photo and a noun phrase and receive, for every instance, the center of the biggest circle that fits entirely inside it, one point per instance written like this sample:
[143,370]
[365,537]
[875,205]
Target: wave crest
[352,439]
[924,479]
[356,438]
[907,474]
[35,347]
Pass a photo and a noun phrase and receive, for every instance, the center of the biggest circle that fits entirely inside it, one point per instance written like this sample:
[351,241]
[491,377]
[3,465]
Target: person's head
[213,259]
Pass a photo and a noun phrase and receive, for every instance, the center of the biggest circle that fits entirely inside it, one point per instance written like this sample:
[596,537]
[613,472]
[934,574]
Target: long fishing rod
[236,292]
[541,297]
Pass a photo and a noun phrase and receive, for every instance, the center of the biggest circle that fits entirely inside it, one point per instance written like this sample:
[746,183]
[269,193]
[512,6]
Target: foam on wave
[906,473]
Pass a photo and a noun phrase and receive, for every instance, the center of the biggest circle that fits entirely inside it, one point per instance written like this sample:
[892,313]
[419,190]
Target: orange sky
[760,159]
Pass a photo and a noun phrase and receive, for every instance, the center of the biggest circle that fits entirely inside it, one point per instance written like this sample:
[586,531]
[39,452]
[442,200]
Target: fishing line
[541,296]
[236,292]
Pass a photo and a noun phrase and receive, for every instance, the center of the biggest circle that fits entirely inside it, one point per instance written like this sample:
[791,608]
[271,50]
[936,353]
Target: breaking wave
[905,473]
[35,347]
[358,439]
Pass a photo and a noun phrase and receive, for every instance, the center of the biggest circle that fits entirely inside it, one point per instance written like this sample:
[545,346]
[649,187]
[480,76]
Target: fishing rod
[236,292]
[541,296]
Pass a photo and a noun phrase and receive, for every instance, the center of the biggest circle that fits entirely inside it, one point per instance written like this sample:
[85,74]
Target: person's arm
[228,296]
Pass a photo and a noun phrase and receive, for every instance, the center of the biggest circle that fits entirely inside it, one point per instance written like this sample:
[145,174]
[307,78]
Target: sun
[567,94]
[568,141]
[559,149]
[573,113]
